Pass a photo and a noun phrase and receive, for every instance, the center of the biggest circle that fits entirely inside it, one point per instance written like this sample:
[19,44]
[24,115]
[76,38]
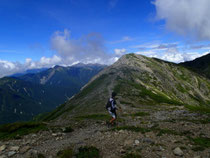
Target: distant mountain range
[24,96]
[28,71]
[139,80]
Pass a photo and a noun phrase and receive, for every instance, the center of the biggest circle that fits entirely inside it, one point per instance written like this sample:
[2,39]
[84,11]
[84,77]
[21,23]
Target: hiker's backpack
[108,104]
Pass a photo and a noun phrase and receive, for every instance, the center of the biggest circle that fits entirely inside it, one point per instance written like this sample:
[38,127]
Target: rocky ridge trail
[149,131]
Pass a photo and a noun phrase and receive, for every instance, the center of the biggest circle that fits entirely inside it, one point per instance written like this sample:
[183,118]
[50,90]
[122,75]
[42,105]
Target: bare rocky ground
[155,132]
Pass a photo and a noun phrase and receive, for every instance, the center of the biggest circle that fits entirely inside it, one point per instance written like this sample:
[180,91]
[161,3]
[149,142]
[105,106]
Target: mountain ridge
[140,80]
[200,65]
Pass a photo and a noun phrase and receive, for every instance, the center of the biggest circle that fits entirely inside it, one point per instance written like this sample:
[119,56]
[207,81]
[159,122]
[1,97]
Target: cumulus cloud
[87,49]
[43,62]
[7,68]
[120,52]
[173,55]
[186,17]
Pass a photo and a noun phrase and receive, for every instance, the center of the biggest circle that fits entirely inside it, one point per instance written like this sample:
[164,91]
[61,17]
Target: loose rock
[24,149]
[11,153]
[2,148]
[14,148]
[137,142]
[147,140]
[128,142]
[178,152]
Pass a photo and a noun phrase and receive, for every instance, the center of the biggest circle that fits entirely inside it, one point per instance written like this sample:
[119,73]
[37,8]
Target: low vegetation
[201,143]
[84,152]
[88,152]
[131,155]
[200,109]
[155,129]
[68,129]
[66,153]
[16,130]
[197,121]
[132,128]
[94,117]
[140,114]
[89,88]
[40,155]
[166,131]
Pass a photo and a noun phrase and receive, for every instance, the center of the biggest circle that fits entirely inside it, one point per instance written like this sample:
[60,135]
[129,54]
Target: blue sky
[43,33]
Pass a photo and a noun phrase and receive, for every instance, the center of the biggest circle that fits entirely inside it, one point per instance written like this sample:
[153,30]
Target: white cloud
[186,17]
[120,52]
[7,68]
[173,55]
[87,49]
[49,61]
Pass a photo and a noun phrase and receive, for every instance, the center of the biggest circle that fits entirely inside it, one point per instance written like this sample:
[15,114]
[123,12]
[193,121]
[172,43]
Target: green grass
[92,86]
[197,121]
[181,88]
[16,130]
[54,114]
[125,102]
[117,87]
[199,109]
[132,128]
[66,153]
[202,141]
[131,155]
[198,148]
[94,117]
[88,152]
[140,114]
[166,131]
[163,131]
[156,98]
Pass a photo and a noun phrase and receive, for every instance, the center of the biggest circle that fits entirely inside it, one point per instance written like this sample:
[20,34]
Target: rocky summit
[164,114]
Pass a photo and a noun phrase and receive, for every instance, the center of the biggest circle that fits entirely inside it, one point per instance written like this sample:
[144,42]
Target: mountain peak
[140,80]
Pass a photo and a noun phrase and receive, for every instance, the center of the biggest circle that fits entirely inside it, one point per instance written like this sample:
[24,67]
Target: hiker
[111,107]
